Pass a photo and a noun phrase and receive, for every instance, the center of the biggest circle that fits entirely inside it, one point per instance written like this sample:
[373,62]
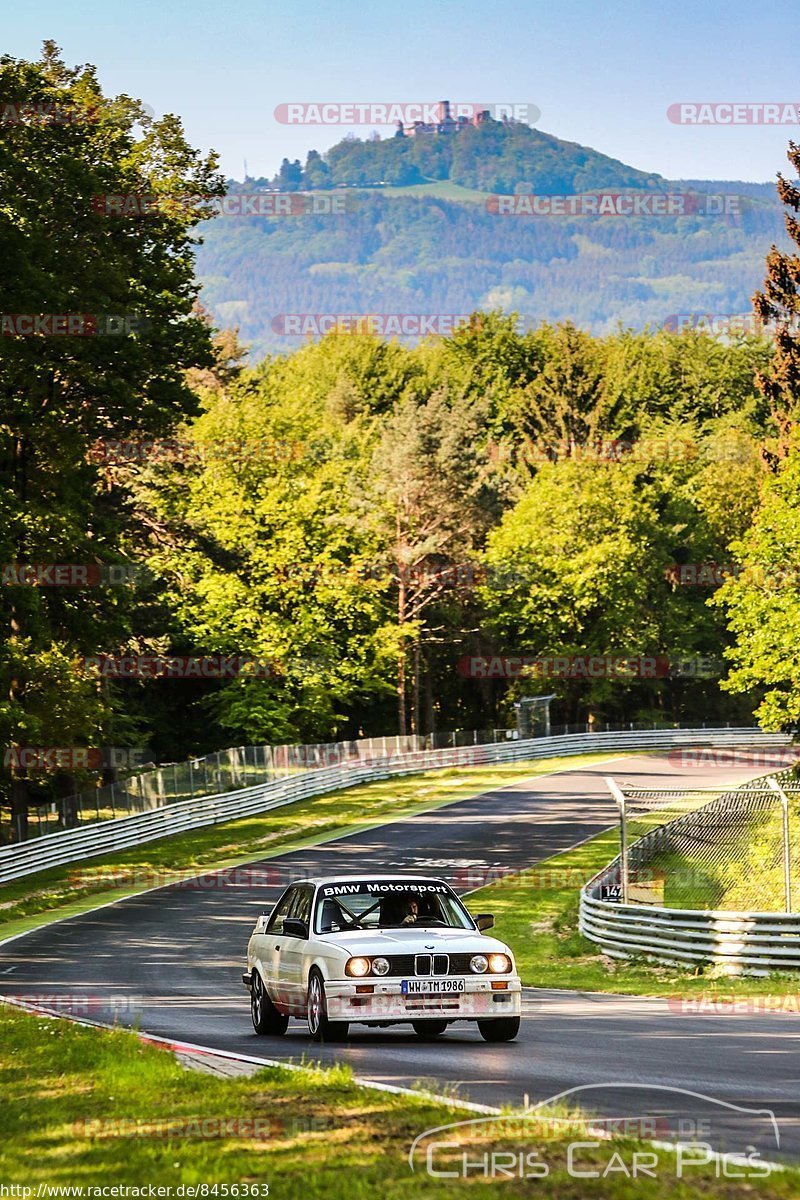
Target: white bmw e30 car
[379,950]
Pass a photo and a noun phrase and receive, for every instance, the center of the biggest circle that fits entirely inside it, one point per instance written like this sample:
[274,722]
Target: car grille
[408,965]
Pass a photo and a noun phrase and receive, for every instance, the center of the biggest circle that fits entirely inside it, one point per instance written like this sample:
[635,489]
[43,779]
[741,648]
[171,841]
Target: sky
[601,75]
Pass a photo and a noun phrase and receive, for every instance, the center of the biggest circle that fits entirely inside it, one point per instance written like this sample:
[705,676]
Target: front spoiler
[387,1003]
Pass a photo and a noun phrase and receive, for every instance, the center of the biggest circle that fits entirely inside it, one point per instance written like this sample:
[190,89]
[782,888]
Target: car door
[268,944]
[292,950]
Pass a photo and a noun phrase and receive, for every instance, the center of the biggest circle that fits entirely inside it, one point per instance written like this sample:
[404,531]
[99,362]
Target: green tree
[432,500]
[762,603]
[317,173]
[579,567]
[264,549]
[563,409]
[290,176]
[68,154]
[779,304]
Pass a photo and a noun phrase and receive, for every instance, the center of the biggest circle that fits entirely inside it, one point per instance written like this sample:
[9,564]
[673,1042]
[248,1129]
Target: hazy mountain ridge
[394,253]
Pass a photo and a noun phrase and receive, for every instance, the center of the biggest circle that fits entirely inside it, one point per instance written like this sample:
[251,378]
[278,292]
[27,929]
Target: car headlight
[499,964]
[357,967]
[380,966]
[478,963]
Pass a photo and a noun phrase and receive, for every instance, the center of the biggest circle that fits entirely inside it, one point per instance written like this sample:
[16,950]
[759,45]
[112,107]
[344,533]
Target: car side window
[302,909]
[282,910]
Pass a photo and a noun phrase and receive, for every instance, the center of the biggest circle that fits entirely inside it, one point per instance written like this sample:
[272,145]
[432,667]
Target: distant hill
[418,236]
[493,156]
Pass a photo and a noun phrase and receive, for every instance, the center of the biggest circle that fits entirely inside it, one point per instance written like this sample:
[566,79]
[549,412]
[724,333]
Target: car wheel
[429,1028]
[266,1018]
[319,1027]
[499,1029]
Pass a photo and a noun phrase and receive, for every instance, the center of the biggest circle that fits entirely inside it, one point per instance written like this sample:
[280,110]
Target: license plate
[424,987]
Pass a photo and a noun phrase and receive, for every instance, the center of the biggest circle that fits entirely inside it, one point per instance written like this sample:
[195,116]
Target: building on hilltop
[446,124]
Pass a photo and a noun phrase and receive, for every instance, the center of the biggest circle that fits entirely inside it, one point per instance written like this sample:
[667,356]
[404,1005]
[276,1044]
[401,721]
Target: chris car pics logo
[701,1135]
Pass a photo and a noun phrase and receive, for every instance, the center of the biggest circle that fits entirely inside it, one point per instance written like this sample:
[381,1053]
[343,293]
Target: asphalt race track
[170,961]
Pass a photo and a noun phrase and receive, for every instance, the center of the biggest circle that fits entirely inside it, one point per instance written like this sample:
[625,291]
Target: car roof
[366,876]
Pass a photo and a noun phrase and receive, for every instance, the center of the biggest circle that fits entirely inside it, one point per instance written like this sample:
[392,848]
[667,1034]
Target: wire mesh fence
[215,774]
[712,849]
[247,766]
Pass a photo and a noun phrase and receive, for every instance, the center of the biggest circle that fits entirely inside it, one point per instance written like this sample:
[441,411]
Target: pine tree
[779,304]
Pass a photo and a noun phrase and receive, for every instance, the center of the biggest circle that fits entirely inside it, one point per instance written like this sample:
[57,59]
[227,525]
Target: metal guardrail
[59,849]
[229,770]
[232,770]
[752,942]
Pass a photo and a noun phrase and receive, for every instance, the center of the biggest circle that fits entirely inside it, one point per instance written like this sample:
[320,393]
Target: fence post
[787,875]
[619,796]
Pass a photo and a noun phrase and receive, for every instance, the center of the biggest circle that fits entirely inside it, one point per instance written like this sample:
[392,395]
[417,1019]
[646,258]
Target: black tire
[429,1028]
[266,1018]
[499,1029]
[320,1028]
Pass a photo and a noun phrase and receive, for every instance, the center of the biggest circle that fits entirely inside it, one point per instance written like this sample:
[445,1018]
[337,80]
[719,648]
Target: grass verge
[84,1108]
[537,914]
[66,891]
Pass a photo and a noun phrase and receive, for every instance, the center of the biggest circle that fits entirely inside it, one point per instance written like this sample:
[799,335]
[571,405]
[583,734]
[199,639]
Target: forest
[205,547]
[439,251]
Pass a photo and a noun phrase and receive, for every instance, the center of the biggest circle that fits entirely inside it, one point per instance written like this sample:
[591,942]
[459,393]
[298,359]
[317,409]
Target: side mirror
[484,921]
[292,927]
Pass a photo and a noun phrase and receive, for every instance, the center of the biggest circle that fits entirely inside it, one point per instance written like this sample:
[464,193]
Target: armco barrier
[738,942]
[58,849]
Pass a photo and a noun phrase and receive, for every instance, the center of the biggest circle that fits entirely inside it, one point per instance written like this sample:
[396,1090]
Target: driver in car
[411,911]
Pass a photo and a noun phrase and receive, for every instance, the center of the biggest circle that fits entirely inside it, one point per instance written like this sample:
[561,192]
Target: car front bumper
[482,998]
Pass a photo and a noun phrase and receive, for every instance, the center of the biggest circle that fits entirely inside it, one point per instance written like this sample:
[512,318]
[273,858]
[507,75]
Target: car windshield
[388,904]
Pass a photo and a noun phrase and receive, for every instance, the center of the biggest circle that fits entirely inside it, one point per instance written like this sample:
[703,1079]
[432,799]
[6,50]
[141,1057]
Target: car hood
[416,941]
